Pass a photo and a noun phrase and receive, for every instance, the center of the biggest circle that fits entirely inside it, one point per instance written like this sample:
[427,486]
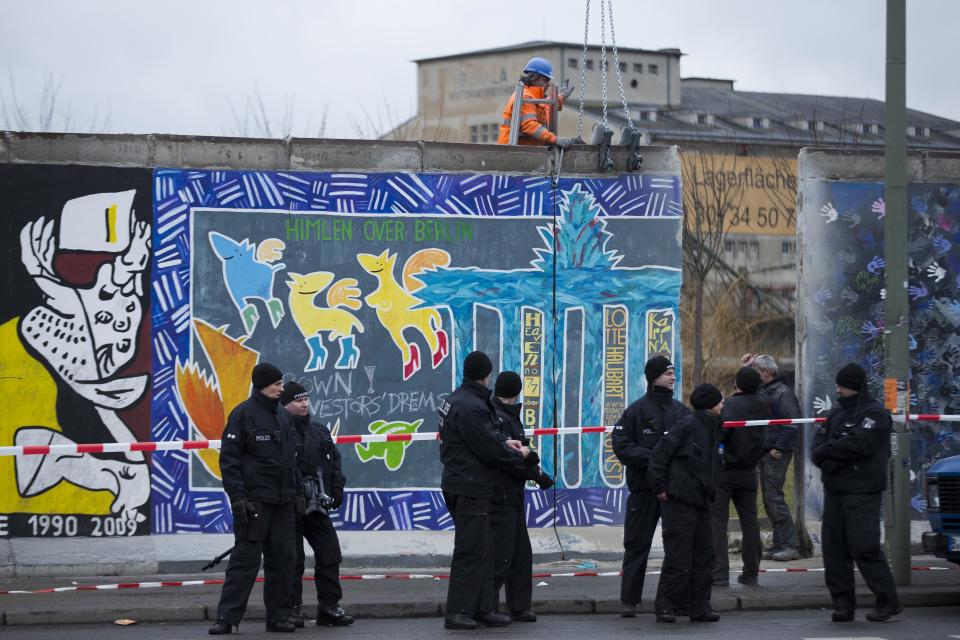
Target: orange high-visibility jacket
[534,119]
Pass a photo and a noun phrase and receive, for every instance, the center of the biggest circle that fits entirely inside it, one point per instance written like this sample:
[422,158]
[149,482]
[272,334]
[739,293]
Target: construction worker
[535,118]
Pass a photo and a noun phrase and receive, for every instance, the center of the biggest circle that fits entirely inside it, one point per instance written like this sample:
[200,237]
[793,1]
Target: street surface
[928,623]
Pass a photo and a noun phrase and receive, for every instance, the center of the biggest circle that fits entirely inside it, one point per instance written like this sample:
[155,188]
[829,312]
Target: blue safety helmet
[541,66]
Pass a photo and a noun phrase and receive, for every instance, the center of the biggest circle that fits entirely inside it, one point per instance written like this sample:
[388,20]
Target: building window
[589,65]
[483,133]
[703,118]
[634,83]
[758,123]
[788,248]
[623,67]
[728,245]
[572,63]
[638,67]
[653,69]
[648,116]
[920,132]
[473,134]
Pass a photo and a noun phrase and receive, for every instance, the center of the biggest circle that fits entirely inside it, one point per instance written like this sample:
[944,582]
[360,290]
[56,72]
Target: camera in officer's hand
[315,497]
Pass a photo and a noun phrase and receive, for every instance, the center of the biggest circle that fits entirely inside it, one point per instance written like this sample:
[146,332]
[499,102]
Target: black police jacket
[317,454]
[853,447]
[509,483]
[744,446]
[785,405]
[258,453]
[470,450]
[686,463]
[639,430]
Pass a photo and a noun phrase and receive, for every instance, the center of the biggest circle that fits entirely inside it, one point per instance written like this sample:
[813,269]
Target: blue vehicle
[943,509]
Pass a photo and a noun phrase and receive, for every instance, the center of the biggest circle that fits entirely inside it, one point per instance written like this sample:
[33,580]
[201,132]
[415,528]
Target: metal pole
[896,307]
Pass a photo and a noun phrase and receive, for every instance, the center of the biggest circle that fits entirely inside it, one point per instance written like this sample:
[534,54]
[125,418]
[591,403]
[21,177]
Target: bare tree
[48,114]
[711,195]
[256,120]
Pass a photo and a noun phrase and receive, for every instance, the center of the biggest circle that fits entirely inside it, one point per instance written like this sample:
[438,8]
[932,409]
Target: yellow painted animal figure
[313,321]
[395,304]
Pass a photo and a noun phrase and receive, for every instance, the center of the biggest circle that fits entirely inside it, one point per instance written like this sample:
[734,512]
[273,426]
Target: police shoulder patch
[869,423]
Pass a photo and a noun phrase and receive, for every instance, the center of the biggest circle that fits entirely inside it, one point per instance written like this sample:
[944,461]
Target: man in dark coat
[472,455]
[742,449]
[781,441]
[634,437]
[318,461]
[258,467]
[681,474]
[852,451]
[512,554]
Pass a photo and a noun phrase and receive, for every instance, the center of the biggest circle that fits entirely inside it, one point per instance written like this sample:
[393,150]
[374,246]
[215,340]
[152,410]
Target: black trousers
[739,485]
[512,556]
[470,590]
[322,538]
[851,534]
[688,559]
[640,523]
[270,536]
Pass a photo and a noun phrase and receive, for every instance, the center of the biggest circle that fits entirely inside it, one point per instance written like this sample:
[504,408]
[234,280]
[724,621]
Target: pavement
[800,587]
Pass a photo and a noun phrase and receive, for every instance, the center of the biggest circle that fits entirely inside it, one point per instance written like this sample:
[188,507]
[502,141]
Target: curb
[722,602]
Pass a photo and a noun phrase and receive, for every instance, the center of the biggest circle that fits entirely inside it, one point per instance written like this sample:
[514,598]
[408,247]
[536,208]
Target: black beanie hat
[706,396]
[656,367]
[292,391]
[477,366]
[509,385]
[264,375]
[852,377]
[748,380]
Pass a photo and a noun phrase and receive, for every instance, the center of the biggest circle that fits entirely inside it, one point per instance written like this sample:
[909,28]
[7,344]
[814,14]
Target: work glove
[564,143]
[566,89]
[337,495]
[816,457]
[243,511]
[544,481]
[532,458]
[299,505]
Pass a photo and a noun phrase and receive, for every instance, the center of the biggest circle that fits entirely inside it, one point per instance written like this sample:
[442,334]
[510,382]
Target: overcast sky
[175,66]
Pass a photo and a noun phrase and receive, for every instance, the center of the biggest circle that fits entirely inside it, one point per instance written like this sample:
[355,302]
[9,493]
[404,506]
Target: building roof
[734,111]
[543,44]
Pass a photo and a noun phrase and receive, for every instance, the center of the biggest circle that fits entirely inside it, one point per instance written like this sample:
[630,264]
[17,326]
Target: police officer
[852,450]
[512,554]
[681,474]
[742,449]
[319,463]
[472,456]
[634,436]
[258,467]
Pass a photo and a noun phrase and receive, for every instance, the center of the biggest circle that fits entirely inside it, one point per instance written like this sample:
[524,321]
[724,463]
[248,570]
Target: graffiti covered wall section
[369,289]
[75,348]
[841,298]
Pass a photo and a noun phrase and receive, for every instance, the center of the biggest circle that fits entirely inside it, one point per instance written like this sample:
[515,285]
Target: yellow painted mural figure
[395,304]
[313,321]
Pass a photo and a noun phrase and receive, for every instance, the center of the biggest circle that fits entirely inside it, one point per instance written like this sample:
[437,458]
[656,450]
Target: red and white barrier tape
[386,576]
[184,445]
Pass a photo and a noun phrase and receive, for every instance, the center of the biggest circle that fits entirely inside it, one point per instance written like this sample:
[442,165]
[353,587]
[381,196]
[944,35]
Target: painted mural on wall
[74,348]
[369,289]
[841,294]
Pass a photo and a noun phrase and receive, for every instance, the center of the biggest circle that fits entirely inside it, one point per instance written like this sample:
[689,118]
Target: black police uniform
[472,457]
[318,456]
[512,554]
[852,451]
[683,465]
[258,465]
[743,447]
[634,437]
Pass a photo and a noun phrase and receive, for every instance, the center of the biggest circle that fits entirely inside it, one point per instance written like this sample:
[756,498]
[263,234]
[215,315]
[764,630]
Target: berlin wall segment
[164,287]
[840,293]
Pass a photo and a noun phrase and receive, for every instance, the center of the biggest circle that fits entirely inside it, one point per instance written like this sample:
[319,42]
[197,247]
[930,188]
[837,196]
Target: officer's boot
[221,628]
[297,616]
